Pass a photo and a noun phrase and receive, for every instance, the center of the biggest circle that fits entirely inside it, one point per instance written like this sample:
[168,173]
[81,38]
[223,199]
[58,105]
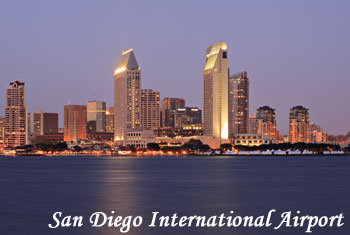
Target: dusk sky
[296,52]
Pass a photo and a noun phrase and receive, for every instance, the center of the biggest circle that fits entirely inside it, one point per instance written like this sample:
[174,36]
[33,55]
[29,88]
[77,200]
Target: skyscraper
[299,125]
[169,107]
[74,122]
[150,109]
[216,73]
[266,122]
[238,102]
[2,131]
[127,96]
[16,132]
[96,114]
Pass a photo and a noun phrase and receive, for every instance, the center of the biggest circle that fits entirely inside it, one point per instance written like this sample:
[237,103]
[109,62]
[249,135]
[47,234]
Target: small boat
[243,153]
[254,153]
[326,152]
[279,152]
[268,152]
[307,152]
[337,152]
[295,152]
[230,153]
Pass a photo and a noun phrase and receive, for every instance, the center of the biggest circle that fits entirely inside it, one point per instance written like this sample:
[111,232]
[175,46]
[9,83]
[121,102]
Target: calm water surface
[33,188]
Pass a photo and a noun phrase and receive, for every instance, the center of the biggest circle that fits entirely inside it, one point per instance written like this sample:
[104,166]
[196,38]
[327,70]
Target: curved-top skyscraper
[216,74]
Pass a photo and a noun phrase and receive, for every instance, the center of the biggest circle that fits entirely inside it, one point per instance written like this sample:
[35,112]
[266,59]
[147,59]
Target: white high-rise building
[216,75]
[16,131]
[127,96]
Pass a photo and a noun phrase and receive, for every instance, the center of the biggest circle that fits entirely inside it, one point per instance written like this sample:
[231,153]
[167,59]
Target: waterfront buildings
[299,125]
[168,111]
[41,123]
[187,115]
[110,120]
[16,132]
[250,139]
[150,109]
[238,103]
[127,96]
[75,120]
[216,75]
[96,116]
[2,131]
[252,129]
[266,122]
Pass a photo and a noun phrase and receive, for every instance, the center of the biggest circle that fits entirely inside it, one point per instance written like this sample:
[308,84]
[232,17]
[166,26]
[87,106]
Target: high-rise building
[41,123]
[238,102]
[127,96]
[16,132]
[169,107]
[317,134]
[299,125]
[110,120]
[216,74]
[266,122]
[188,115]
[252,129]
[150,109]
[74,122]
[96,116]
[2,131]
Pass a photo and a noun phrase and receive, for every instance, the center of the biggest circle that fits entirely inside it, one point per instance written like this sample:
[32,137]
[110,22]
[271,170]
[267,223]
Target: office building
[299,125]
[266,122]
[127,96]
[187,115]
[252,129]
[2,131]
[150,109]
[238,102]
[96,116]
[216,74]
[16,132]
[75,120]
[168,111]
[110,120]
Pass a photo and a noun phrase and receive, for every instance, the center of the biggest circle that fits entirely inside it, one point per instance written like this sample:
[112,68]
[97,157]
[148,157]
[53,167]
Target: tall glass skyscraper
[127,96]
[216,74]
[238,114]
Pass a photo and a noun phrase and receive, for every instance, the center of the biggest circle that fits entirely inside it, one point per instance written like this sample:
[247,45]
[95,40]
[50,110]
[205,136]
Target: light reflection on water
[32,189]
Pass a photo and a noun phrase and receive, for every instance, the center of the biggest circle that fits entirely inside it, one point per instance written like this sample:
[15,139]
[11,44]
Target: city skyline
[305,66]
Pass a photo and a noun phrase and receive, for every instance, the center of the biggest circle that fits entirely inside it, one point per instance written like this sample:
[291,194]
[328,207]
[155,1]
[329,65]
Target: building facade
[216,75]
[250,139]
[16,131]
[75,120]
[110,120]
[266,122]
[96,116]
[299,125]
[150,109]
[168,111]
[2,131]
[238,103]
[127,96]
[187,115]
[252,129]
[41,123]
